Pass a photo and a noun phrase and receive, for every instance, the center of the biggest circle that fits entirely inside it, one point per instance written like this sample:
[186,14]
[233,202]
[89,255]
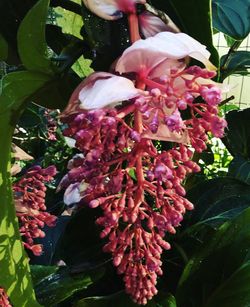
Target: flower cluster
[121,168]
[138,187]
[4,300]
[29,195]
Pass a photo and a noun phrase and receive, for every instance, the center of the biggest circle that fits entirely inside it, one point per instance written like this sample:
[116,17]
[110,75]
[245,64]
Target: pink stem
[133,27]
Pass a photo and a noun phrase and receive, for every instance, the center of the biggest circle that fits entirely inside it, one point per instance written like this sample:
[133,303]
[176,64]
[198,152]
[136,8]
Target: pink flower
[212,95]
[174,121]
[110,9]
[218,125]
[124,173]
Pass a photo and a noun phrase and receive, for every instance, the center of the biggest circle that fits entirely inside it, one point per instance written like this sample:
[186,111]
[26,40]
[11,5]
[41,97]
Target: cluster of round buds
[4,300]
[29,195]
[136,215]
[139,186]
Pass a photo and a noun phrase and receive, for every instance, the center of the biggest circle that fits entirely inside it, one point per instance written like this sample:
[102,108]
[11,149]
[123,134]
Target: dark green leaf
[234,291]
[19,86]
[39,272]
[62,284]
[197,25]
[3,48]
[32,45]
[121,299]
[216,201]
[55,94]
[239,168]
[220,269]
[237,138]
[238,63]
[232,17]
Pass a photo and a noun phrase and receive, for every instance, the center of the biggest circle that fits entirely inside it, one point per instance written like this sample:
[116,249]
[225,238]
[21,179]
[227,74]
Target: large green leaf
[216,201]
[53,93]
[239,168]
[232,17]
[3,48]
[32,45]
[14,264]
[62,284]
[19,86]
[239,63]
[121,299]
[219,272]
[234,291]
[194,18]
[237,138]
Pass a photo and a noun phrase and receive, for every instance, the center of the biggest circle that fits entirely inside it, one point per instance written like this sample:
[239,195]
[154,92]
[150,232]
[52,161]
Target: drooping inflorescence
[142,202]
[122,167]
[29,196]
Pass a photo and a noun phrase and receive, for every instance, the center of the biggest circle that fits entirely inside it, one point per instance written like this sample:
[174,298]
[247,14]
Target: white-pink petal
[99,90]
[166,48]
[106,90]
[105,9]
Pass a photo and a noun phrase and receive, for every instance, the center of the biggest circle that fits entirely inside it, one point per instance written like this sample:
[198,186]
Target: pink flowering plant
[109,112]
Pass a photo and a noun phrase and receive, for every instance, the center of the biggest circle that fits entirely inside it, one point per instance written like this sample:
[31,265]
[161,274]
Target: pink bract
[164,48]
[100,90]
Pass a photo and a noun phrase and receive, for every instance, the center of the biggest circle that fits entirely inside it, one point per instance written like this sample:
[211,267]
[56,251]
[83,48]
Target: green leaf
[17,87]
[239,168]
[234,291]
[3,48]
[60,285]
[14,264]
[55,94]
[216,201]
[237,138]
[70,22]
[82,67]
[32,46]
[121,299]
[230,41]
[219,271]
[40,272]
[239,63]
[232,17]
[197,25]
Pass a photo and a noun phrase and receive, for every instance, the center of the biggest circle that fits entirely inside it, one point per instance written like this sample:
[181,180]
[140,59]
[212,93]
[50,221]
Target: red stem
[133,27]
